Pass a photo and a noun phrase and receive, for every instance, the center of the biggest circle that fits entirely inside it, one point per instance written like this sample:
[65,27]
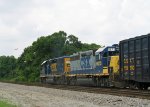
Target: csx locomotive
[123,65]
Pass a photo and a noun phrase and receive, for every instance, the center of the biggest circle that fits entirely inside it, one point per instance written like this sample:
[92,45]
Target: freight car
[126,65]
[134,62]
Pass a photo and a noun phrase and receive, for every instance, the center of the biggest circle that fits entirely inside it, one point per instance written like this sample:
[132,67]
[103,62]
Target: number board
[111,49]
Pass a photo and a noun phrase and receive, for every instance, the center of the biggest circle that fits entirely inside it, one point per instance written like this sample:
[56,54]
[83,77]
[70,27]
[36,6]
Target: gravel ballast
[32,96]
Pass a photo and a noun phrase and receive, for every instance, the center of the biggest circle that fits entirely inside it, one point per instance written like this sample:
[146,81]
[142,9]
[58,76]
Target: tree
[7,66]
[46,47]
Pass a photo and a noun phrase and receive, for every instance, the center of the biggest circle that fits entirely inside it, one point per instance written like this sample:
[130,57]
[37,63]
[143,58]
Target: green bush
[6,104]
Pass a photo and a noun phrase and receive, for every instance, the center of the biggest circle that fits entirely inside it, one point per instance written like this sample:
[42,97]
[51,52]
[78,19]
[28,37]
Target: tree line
[27,67]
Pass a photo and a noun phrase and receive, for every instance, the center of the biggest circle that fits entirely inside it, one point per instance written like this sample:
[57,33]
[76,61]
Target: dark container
[135,59]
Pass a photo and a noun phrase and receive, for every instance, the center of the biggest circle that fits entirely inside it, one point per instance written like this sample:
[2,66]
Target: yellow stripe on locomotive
[67,65]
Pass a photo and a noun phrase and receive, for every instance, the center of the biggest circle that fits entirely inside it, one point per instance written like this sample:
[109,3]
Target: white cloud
[100,21]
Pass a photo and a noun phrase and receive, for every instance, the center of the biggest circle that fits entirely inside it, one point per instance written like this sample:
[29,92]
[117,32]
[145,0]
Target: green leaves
[7,66]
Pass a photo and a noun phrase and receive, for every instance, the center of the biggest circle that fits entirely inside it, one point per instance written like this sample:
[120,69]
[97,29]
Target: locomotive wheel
[73,81]
[95,81]
[145,87]
[132,86]
[55,80]
[68,81]
[62,80]
[140,86]
[43,80]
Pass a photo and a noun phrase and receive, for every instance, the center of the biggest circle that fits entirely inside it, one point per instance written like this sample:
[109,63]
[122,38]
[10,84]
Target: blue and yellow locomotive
[89,65]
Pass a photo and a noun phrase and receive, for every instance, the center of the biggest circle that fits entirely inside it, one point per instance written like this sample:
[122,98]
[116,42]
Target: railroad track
[144,94]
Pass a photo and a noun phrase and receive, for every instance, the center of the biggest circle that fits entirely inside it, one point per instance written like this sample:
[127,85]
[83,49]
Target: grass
[6,104]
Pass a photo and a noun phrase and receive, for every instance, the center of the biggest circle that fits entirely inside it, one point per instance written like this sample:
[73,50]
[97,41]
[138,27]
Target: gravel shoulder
[32,96]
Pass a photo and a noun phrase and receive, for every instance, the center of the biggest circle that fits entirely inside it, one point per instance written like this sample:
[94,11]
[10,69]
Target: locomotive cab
[45,70]
[104,57]
[106,64]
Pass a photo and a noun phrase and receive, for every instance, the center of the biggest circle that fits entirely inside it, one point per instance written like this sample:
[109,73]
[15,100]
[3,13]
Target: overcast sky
[104,22]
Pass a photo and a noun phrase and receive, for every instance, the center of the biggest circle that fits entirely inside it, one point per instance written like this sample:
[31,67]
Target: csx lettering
[85,62]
